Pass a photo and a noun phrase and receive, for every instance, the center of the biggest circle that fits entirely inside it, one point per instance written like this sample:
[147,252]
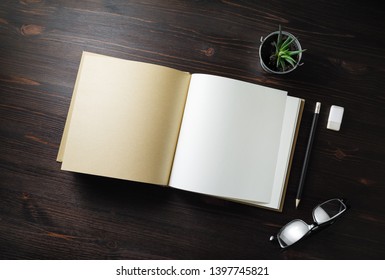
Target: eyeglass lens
[297,229]
[328,210]
[292,232]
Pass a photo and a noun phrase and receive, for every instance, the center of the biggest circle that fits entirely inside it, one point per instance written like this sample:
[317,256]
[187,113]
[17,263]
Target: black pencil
[307,154]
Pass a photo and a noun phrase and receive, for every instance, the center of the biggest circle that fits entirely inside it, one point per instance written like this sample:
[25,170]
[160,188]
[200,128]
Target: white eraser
[335,117]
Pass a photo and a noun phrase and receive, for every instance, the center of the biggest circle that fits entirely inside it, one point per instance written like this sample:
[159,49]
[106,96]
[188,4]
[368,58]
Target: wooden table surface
[46,213]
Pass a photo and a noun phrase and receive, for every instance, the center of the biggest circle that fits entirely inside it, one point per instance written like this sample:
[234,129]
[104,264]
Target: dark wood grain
[46,213]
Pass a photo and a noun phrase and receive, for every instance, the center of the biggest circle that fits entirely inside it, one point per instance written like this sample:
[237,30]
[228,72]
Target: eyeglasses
[323,214]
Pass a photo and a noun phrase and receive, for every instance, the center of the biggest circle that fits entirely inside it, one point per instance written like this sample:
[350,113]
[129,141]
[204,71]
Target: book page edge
[69,115]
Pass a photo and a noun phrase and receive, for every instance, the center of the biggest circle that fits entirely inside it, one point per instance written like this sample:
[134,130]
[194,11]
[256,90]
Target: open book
[202,133]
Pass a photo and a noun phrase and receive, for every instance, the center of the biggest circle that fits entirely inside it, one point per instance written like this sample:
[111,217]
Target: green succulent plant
[284,54]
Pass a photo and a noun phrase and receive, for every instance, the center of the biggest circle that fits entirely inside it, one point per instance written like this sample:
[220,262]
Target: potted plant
[280,52]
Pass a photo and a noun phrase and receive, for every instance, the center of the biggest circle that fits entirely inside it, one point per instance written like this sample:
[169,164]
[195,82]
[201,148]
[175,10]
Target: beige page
[124,119]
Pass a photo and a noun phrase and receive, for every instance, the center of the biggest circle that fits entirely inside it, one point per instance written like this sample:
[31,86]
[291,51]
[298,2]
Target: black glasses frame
[313,226]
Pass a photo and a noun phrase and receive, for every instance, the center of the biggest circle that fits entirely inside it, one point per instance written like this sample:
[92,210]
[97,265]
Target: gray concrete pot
[265,52]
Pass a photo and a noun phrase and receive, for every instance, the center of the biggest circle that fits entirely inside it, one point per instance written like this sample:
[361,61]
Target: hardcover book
[196,132]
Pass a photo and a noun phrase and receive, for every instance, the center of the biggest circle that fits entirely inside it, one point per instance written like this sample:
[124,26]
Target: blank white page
[229,139]
[286,150]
